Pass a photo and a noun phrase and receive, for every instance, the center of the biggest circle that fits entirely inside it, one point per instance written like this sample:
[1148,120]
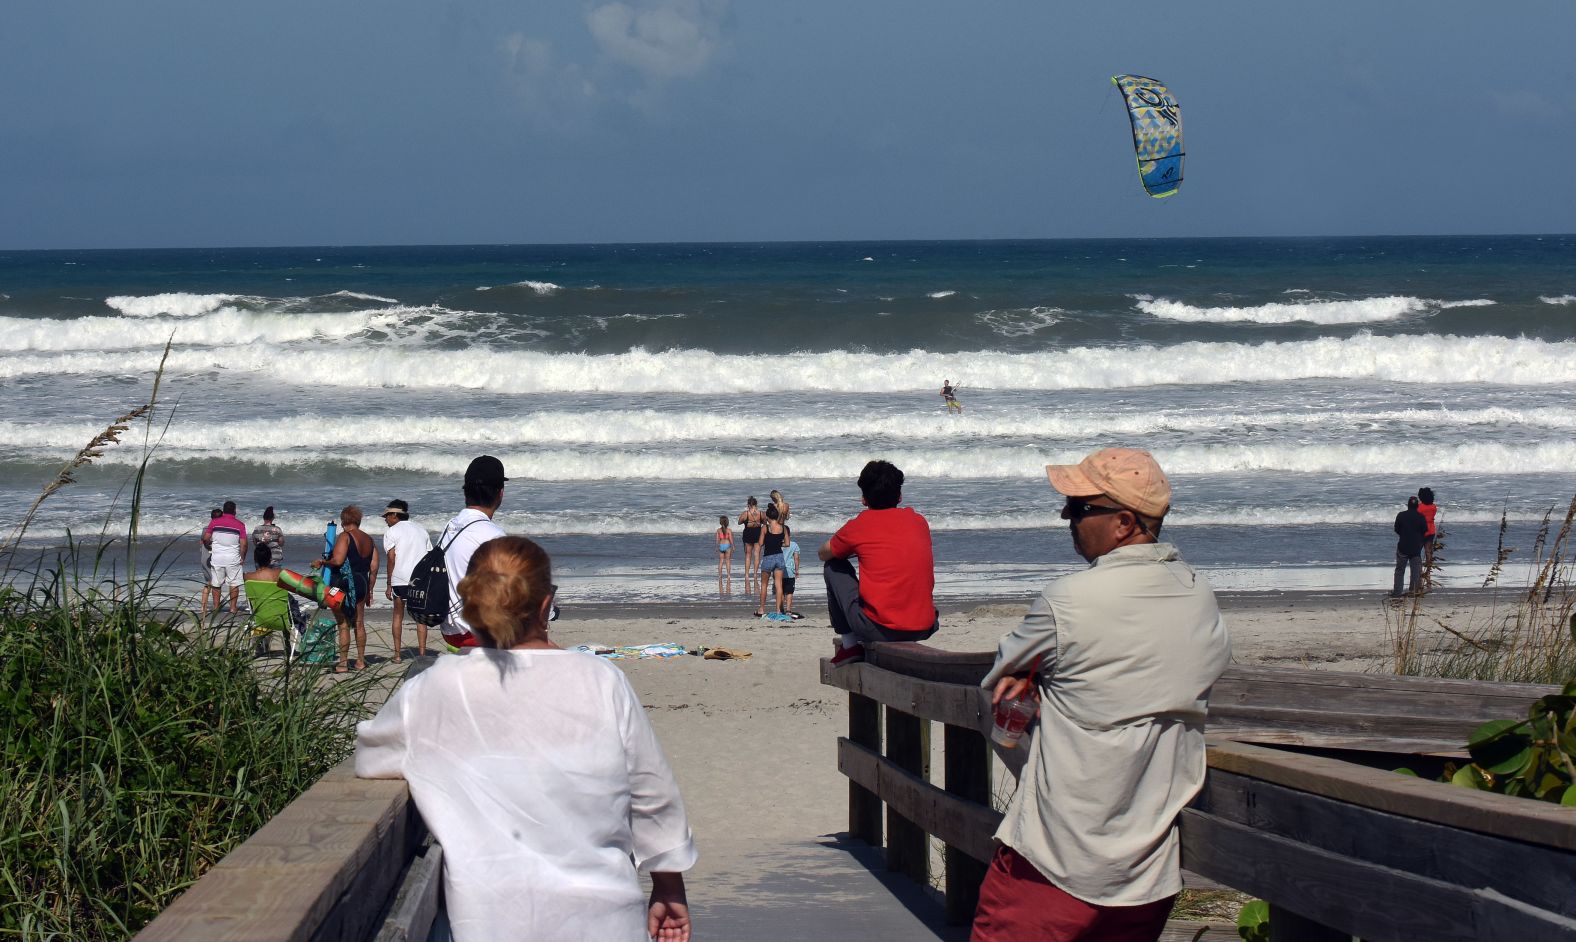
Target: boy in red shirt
[890,597]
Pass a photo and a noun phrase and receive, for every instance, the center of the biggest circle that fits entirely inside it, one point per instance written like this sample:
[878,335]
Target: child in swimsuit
[724,536]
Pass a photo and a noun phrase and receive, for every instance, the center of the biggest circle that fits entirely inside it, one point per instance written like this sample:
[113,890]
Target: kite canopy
[1157,132]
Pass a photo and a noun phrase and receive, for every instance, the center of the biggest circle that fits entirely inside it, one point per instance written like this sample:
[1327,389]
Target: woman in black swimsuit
[772,558]
[750,520]
[353,567]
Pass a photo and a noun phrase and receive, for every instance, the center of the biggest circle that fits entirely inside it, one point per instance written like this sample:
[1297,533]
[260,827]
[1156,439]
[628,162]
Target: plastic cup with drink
[1012,718]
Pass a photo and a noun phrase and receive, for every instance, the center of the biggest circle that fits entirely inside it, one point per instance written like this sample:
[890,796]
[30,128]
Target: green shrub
[136,749]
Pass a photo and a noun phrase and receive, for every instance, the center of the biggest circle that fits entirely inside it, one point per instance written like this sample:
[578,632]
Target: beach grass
[139,743]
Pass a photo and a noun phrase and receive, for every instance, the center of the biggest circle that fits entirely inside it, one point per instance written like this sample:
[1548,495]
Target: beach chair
[271,612]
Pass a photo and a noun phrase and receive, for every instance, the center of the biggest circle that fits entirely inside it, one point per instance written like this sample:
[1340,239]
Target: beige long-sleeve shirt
[1128,650]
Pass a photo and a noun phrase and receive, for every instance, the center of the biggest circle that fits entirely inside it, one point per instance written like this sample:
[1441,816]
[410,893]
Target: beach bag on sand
[427,597]
[320,641]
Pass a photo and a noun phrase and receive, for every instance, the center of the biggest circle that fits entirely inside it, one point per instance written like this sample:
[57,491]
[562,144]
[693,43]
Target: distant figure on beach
[404,544]
[272,537]
[790,575]
[226,538]
[950,397]
[205,560]
[464,535]
[538,772]
[1430,512]
[1412,529]
[751,520]
[772,559]
[781,503]
[724,540]
[891,596]
[1120,657]
[353,568]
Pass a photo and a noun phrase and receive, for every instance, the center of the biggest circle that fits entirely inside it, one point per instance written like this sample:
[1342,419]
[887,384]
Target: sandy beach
[753,741]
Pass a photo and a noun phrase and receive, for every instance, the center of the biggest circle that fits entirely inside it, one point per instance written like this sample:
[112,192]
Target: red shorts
[1018,904]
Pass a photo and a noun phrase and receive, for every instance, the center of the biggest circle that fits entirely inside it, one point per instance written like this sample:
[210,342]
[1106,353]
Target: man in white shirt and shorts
[470,528]
[404,544]
[225,537]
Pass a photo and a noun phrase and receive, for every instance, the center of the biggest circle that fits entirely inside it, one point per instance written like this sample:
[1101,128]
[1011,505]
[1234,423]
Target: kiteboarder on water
[948,396]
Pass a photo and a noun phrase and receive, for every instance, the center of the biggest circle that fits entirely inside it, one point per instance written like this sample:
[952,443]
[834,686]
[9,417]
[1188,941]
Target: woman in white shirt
[538,773]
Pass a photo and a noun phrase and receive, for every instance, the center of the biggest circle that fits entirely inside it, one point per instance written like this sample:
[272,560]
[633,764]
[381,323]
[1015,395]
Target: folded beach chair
[271,612]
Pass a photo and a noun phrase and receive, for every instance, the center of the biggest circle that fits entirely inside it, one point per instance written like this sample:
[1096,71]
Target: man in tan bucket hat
[1121,657]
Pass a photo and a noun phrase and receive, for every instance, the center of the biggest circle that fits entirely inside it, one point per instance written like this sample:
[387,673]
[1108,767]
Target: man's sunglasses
[552,613]
[1076,510]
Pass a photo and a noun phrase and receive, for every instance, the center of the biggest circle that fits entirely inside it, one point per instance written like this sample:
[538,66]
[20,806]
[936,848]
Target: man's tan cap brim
[1129,476]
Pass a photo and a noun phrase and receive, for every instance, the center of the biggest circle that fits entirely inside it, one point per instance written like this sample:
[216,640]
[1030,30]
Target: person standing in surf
[1429,510]
[751,520]
[772,558]
[949,396]
[724,538]
[272,537]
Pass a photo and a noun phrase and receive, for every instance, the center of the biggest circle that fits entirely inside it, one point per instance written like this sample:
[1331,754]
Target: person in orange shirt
[1427,507]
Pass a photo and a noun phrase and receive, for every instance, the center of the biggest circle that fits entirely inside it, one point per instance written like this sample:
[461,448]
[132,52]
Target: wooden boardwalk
[1310,819]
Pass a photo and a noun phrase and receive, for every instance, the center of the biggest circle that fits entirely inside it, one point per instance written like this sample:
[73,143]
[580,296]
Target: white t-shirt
[541,777]
[226,547]
[474,529]
[407,543]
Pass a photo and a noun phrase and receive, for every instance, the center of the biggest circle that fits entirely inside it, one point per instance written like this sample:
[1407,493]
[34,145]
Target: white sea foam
[941,294]
[1436,359]
[219,327]
[161,526]
[314,433]
[543,288]
[1560,299]
[1364,311]
[1477,302]
[1020,322]
[178,304]
[942,462]
[357,295]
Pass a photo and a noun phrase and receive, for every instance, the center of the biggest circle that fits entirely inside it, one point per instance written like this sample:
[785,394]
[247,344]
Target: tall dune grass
[138,744]
[1521,634]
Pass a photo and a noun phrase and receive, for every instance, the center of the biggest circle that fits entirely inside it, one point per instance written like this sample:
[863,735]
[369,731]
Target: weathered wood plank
[1334,721]
[962,824]
[1540,876]
[1215,735]
[1372,693]
[297,873]
[864,806]
[967,770]
[928,663]
[1534,822]
[908,748]
[416,903]
[1377,903]
[953,704]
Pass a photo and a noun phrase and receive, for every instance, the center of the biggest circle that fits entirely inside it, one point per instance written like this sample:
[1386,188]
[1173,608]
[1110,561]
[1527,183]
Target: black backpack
[427,598]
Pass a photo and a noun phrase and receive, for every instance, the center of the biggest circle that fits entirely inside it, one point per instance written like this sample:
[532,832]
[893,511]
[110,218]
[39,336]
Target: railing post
[967,760]
[908,746]
[1287,926]
[864,808]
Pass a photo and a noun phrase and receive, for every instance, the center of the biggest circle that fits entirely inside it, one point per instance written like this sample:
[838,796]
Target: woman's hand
[668,918]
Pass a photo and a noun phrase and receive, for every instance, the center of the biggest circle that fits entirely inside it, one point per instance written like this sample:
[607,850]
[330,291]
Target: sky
[189,123]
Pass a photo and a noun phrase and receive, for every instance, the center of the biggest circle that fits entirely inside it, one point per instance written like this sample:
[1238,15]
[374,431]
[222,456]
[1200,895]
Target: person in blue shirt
[790,575]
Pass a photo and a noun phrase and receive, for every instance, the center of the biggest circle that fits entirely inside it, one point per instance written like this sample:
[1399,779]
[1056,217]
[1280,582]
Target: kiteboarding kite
[1157,132]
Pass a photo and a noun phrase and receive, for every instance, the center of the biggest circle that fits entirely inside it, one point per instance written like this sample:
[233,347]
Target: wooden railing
[347,860]
[1337,847]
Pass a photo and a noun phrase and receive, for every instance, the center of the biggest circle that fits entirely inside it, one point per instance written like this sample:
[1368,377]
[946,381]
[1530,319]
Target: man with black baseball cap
[470,528]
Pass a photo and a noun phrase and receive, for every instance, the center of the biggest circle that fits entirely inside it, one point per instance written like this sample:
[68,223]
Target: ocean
[1295,390]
